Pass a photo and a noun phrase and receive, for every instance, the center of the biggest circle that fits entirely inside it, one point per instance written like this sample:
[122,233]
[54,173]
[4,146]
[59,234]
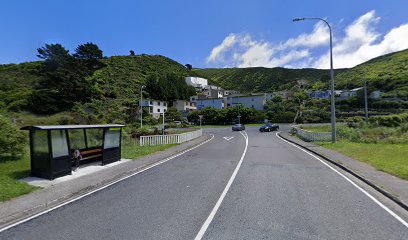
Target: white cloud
[318,37]
[359,43]
[218,51]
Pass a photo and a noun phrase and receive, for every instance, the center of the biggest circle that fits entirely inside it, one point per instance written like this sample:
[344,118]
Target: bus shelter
[51,147]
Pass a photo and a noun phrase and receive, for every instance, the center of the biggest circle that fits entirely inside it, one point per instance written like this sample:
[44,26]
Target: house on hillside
[346,94]
[197,82]
[256,101]
[217,103]
[183,106]
[320,94]
[156,107]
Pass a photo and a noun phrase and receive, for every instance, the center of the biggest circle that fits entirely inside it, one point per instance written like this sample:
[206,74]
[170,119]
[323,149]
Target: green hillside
[260,79]
[120,79]
[388,73]
[115,87]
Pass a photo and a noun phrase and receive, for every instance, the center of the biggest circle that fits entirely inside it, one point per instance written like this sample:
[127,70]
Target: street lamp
[239,116]
[333,113]
[141,105]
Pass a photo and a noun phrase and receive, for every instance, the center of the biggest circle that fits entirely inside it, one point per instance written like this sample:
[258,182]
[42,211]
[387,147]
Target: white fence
[311,136]
[169,139]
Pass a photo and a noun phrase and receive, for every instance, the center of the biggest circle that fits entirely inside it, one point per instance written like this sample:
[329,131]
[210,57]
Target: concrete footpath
[395,188]
[85,180]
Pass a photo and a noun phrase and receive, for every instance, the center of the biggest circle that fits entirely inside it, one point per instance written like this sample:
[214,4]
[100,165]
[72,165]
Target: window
[158,110]
[150,109]
[165,110]
[158,103]
[94,136]
[77,138]
[59,143]
[112,138]
[151,102]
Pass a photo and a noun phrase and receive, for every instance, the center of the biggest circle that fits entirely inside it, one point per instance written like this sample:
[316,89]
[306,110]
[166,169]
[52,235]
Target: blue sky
[213,33]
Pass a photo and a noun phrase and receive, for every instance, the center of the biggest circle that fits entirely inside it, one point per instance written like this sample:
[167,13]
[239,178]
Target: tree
[88,51]
[66,77]
[173,114]
[12,140]
[189,66]
[132,53]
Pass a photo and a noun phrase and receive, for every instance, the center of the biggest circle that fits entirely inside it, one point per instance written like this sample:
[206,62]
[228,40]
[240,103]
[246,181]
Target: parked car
[238,127]
[269,127]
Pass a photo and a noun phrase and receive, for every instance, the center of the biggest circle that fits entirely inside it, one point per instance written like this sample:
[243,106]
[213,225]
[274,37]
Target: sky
[209,33]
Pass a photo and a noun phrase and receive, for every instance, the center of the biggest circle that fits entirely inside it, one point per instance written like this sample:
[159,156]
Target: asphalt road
[279,192]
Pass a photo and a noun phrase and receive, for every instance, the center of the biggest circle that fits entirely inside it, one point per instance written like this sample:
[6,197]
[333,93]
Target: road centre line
[103,187]
[350,181]
[210,217]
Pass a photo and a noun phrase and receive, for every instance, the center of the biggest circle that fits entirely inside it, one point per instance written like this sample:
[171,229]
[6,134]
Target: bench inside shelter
[52,147]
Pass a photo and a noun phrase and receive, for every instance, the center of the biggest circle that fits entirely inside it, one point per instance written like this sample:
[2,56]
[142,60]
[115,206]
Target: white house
[156,107]
[196,82]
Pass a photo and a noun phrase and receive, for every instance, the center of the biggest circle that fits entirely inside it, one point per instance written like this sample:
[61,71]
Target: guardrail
[169,139]
[311,136]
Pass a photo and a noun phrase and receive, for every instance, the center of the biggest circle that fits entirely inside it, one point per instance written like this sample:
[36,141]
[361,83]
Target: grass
[228,126]
[132,150]
[386,157]
[383,155]
[317,128]
[11,171]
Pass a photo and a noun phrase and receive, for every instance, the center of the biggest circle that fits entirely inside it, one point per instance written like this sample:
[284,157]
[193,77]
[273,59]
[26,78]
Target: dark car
[269,127]
[238,127]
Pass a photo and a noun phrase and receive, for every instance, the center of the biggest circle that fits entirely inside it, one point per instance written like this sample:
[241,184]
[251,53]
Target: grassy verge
[10,173]
[14,169]
[379,147]
[212,126]
[390,158]
[317,128]
[133,150]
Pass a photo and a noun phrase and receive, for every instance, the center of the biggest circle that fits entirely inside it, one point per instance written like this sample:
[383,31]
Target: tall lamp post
[333,113]
[141,105]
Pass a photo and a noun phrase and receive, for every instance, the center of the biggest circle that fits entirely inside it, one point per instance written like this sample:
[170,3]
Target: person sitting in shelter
[76,157]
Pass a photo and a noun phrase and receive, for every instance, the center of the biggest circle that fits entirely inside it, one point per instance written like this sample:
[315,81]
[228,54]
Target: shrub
[12,140]
[393,120]
[354,122]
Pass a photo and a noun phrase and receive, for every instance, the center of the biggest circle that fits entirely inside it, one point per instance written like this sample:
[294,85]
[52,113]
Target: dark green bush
[12,140]
[354,122]
[393,120]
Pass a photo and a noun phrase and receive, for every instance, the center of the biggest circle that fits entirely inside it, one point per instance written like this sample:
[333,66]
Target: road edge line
[312,153]
[105,186]
[210,217]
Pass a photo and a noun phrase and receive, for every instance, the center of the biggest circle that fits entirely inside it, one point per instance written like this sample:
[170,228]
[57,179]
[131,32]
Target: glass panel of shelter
[94,137]
[112,138]
[59,143]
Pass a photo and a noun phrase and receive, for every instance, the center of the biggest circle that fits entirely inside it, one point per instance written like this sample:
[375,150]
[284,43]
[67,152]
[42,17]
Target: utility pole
[366,102]
[239,116]
[141,105]
[163,122]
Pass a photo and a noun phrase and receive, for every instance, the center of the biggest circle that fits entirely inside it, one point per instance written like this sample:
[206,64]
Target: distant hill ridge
[123,76]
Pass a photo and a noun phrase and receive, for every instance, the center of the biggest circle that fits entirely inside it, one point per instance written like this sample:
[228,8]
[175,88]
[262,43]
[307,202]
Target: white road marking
[354,184]
[228,138]
[103,187]
[224,193]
